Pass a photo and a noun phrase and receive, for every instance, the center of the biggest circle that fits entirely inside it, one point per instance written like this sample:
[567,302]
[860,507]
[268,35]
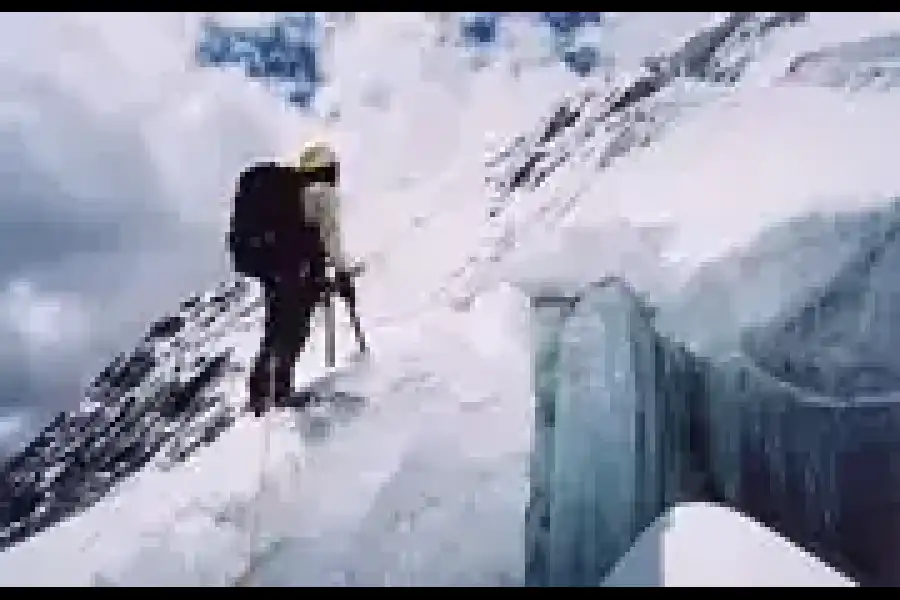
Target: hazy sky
[116,159]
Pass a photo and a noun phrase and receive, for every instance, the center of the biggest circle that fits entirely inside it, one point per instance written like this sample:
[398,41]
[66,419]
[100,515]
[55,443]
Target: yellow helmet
[315,155]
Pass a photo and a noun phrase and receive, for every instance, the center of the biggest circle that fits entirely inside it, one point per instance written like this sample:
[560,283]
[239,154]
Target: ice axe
[330,320]
[330,325]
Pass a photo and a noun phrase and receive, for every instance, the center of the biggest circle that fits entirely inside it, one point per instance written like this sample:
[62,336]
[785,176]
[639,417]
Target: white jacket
[323,207]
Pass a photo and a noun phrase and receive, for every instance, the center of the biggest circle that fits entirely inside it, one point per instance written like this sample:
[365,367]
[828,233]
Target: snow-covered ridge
[388,443]
[869,63]
[162,397]
[594,128]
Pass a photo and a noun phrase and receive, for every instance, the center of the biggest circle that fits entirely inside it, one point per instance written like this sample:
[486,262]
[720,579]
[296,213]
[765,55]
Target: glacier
[430,476]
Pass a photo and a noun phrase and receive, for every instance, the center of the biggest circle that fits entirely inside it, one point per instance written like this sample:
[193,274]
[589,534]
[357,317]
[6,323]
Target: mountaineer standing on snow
[285,231]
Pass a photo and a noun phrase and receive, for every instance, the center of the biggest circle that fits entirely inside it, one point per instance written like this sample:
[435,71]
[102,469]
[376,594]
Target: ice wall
[821,471]
[802,415]
[610,431]
[629,423]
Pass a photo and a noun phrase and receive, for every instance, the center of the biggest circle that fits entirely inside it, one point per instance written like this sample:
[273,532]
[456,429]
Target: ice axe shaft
[330,325]
[345,290]
[329,333]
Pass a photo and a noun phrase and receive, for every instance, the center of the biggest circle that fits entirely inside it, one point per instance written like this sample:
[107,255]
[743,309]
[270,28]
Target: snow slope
[425,480]
[353,483]
[742,554]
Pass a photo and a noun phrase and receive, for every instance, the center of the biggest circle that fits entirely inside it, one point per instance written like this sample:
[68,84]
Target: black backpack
[270,235]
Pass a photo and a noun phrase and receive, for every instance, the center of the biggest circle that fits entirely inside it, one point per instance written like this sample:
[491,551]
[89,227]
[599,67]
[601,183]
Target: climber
[321,170]
[285,233]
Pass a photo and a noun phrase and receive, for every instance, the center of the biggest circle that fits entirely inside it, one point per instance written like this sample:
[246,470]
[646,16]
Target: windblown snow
[420,475]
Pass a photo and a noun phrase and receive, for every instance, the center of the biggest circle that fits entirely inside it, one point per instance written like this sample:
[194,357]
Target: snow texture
[740,553]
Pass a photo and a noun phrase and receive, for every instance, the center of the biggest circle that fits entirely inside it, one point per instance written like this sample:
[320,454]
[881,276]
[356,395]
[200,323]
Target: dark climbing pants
[289,308]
